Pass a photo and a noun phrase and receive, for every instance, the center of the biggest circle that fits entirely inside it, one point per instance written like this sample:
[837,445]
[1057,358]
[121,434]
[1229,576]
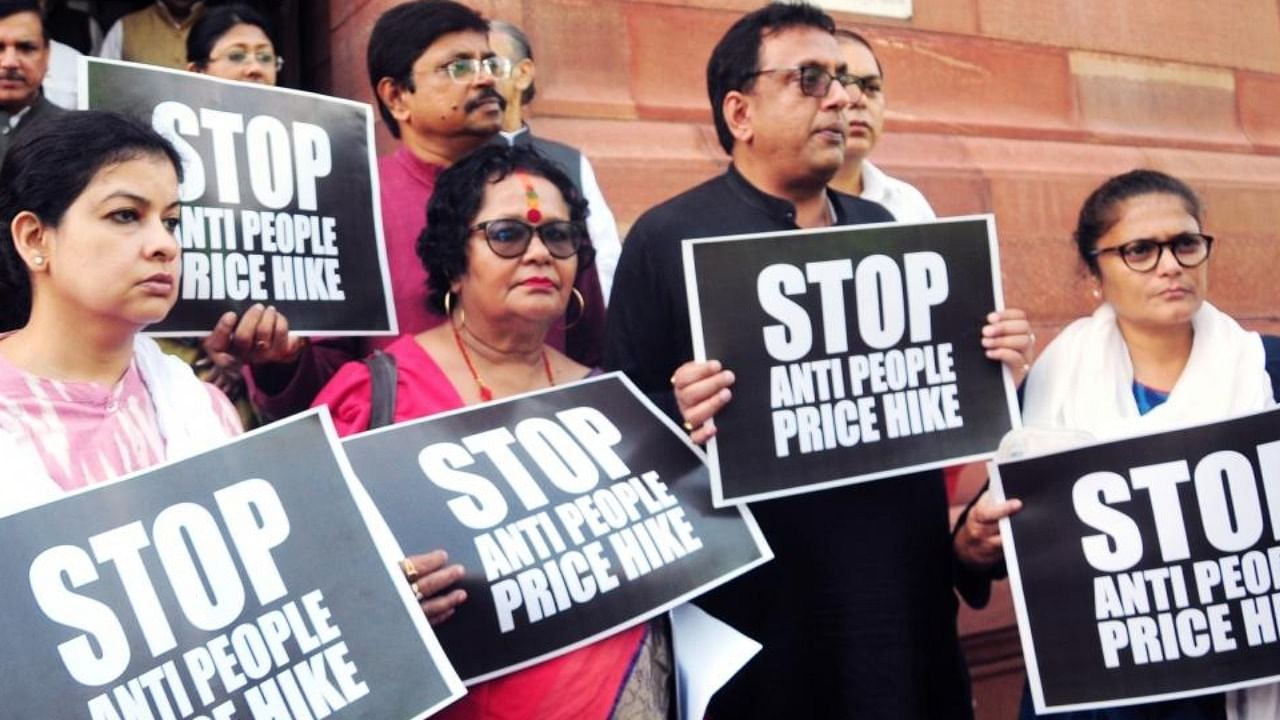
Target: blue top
[1148,398]
[1271,346]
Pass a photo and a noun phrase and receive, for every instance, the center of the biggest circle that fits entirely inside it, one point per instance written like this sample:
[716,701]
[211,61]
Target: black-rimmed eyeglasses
[1143,255]
[815,80]
[510,238]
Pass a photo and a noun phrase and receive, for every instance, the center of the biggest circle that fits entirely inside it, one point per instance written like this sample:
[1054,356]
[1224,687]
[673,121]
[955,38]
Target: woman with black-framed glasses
[505,240]
[1155,355]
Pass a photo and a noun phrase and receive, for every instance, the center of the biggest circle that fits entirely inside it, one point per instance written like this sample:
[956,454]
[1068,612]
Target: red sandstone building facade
[1016,107]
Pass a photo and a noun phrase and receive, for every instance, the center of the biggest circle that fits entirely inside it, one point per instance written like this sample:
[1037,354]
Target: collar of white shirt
[15,118]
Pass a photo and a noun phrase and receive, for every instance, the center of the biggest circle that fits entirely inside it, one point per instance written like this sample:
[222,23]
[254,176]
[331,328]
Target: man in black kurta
[856,612]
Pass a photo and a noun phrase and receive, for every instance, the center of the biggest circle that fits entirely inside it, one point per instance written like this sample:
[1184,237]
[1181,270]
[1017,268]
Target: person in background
[155,35]
[1155,355]
[88,258]
[858,176]
[71,23]
[62,81]
[236,42]
[24,60]
[433,74]
[505,238]
[519,88]
[856,612]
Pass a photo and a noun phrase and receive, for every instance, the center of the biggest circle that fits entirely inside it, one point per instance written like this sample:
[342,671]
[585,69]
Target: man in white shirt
[518,89]
[866,122]
[62,81]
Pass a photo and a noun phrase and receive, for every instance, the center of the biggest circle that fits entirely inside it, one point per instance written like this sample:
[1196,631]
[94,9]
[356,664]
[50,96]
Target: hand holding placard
[430,578]
[577,511]
[858,353]
[978,543]
[701,389]
[261,335]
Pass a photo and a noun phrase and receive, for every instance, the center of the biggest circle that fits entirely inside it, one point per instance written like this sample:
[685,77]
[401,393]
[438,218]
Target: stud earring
[37,260]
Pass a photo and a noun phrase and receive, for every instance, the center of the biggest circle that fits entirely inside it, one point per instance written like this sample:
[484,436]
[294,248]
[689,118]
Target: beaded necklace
[485,393]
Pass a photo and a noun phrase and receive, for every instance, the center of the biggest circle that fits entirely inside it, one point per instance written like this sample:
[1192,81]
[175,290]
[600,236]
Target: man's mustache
[485,95]
[13,75]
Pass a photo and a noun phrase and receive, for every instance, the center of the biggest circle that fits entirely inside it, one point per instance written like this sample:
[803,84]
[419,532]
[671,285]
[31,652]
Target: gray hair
[522,46]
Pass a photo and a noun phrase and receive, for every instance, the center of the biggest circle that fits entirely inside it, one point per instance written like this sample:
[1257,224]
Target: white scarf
[1084,381]
[185,414]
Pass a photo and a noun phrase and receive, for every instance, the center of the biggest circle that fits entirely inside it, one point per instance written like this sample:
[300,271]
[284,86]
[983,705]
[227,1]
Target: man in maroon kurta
[432,72]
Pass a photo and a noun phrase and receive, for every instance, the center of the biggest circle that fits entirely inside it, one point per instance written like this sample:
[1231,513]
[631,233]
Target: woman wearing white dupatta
[88,258]
[1153,356]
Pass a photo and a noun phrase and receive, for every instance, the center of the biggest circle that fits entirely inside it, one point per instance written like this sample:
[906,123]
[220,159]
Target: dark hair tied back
[1101,211]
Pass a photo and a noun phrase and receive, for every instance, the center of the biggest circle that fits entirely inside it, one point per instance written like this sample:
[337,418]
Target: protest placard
[1148,568]
[856,350]
[576,511]
[279,199]
[244,582]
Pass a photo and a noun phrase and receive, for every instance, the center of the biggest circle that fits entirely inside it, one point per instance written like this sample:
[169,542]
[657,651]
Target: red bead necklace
[485,393]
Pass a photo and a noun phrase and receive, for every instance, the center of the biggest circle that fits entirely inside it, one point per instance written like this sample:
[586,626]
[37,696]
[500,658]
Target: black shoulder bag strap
[382,396]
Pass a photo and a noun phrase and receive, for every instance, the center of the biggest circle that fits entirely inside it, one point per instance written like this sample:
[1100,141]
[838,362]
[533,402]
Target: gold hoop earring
[448,309]
[582,305]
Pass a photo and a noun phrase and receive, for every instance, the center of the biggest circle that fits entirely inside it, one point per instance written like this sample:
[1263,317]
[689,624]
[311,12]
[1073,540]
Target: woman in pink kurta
[505,239]
[88,258]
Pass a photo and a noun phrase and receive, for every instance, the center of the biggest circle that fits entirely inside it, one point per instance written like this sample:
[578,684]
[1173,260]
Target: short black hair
[403,33]
[857,37]
[736,58]
[216,22]
[44,172]
[458,195]
[1100,211]
[13,7]
[523,47]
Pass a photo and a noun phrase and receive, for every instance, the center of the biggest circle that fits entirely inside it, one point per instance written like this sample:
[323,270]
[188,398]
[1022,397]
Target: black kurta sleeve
[642,335]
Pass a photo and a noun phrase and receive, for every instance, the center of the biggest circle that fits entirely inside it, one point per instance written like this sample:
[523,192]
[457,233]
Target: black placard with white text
[577,512]
[856,351]
[1148,568]
[279,200]
[243,582]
